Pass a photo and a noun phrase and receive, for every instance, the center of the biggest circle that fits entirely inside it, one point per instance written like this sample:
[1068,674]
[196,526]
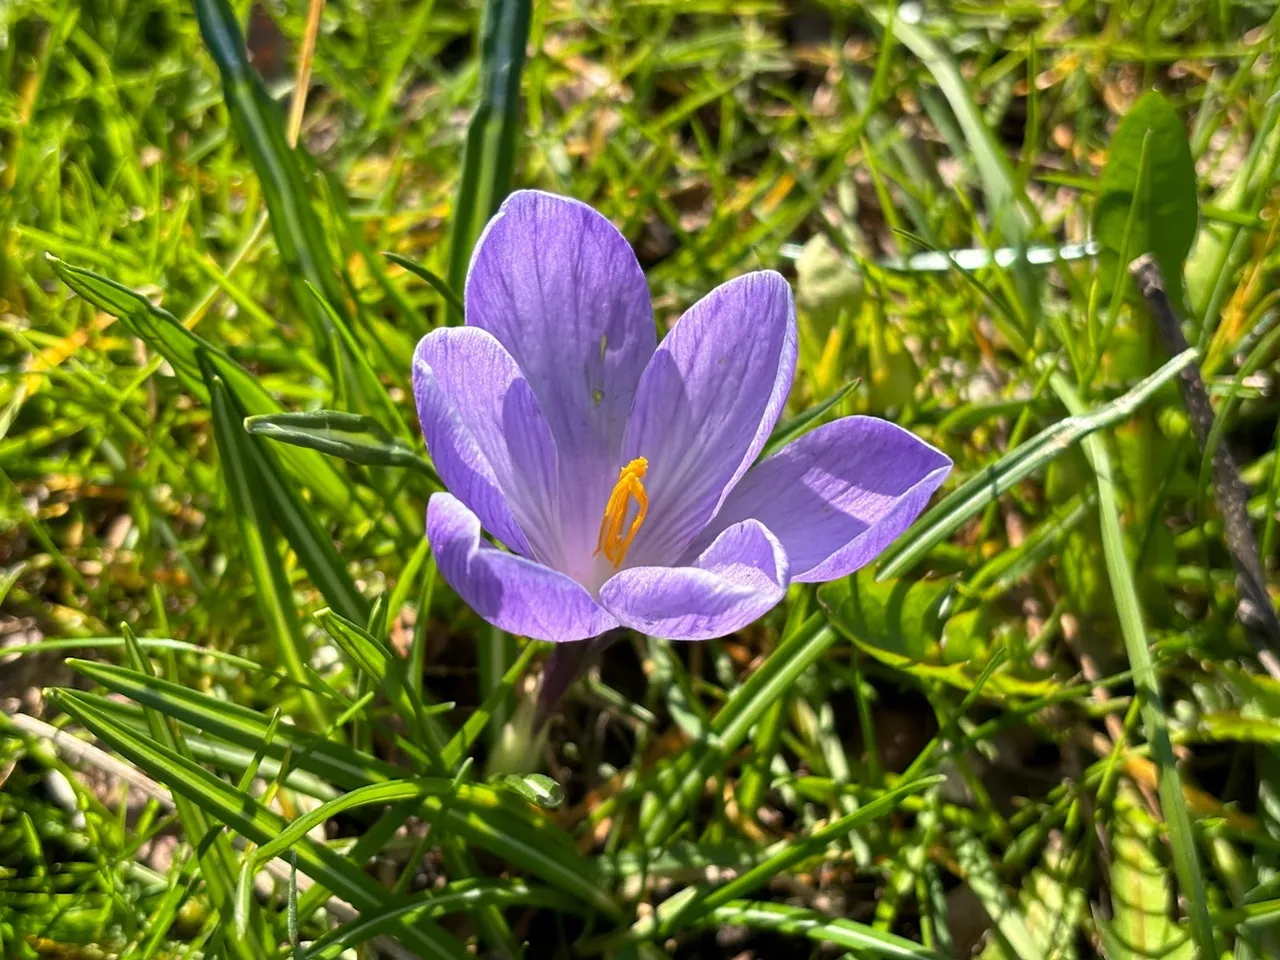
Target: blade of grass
[457,896]
[295,519]
[486,818]
[253,821]
[354,437]
[680,783]
[781,918]
[489,159]
[213,847]
[796,850]
[980,490]
[1146,682]
[451,298]
[162,332]
[272,591]
[260,128]
[387,671]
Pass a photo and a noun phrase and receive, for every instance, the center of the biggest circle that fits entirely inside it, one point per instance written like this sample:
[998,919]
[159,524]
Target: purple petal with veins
[619,474]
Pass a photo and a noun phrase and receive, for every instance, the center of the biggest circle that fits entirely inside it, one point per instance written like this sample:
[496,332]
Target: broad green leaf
[980,874]
[1141,887]
[900,623]
[1221,247]
[826,282]
[1052,907]
[1161,191]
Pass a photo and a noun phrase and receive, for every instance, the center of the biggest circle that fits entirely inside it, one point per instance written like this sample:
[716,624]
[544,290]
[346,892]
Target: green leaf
[259,127]
[245,486]
[162,332]
[1219,727]
[1002,190]
[492,820]
[490,156]
[436,282]
[357,377]
[212,846]
[677,784]
[982,489]
[537,788]
[1161,192]
[793,852]
[1146,681]
[457,896]
[790,429]
[781,918]
[386,670]
[242,813]
[459,745]
[283,503]
[1141,925]
[376,794]
[980,874]
[902,624]
[355,437]
[326,759]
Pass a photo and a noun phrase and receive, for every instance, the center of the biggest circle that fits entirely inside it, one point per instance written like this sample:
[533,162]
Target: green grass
[1035,728]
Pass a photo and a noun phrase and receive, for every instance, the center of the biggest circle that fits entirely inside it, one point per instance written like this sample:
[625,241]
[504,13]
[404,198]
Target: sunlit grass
[301,662]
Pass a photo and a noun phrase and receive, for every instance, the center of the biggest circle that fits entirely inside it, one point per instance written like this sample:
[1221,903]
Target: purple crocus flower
[620,473]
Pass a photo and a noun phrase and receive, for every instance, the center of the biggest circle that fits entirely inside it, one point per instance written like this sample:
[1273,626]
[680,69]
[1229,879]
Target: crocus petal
[488,438]
[511,592]
[560,287]
[706,404]
[838,495]
[741,576]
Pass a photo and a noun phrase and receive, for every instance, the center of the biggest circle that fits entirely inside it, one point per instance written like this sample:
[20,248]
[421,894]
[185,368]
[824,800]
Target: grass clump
[245,718]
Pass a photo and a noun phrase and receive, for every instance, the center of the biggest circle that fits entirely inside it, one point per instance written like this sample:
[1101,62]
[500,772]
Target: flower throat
[612,542]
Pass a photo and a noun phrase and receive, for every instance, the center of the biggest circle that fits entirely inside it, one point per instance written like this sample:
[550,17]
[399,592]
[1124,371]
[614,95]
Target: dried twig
[1232,496]
[303,79]
[76,750]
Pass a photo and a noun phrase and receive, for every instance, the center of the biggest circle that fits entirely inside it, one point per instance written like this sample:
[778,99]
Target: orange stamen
[612,542]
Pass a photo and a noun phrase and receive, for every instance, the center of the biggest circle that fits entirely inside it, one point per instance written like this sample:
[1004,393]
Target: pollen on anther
[612,541]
